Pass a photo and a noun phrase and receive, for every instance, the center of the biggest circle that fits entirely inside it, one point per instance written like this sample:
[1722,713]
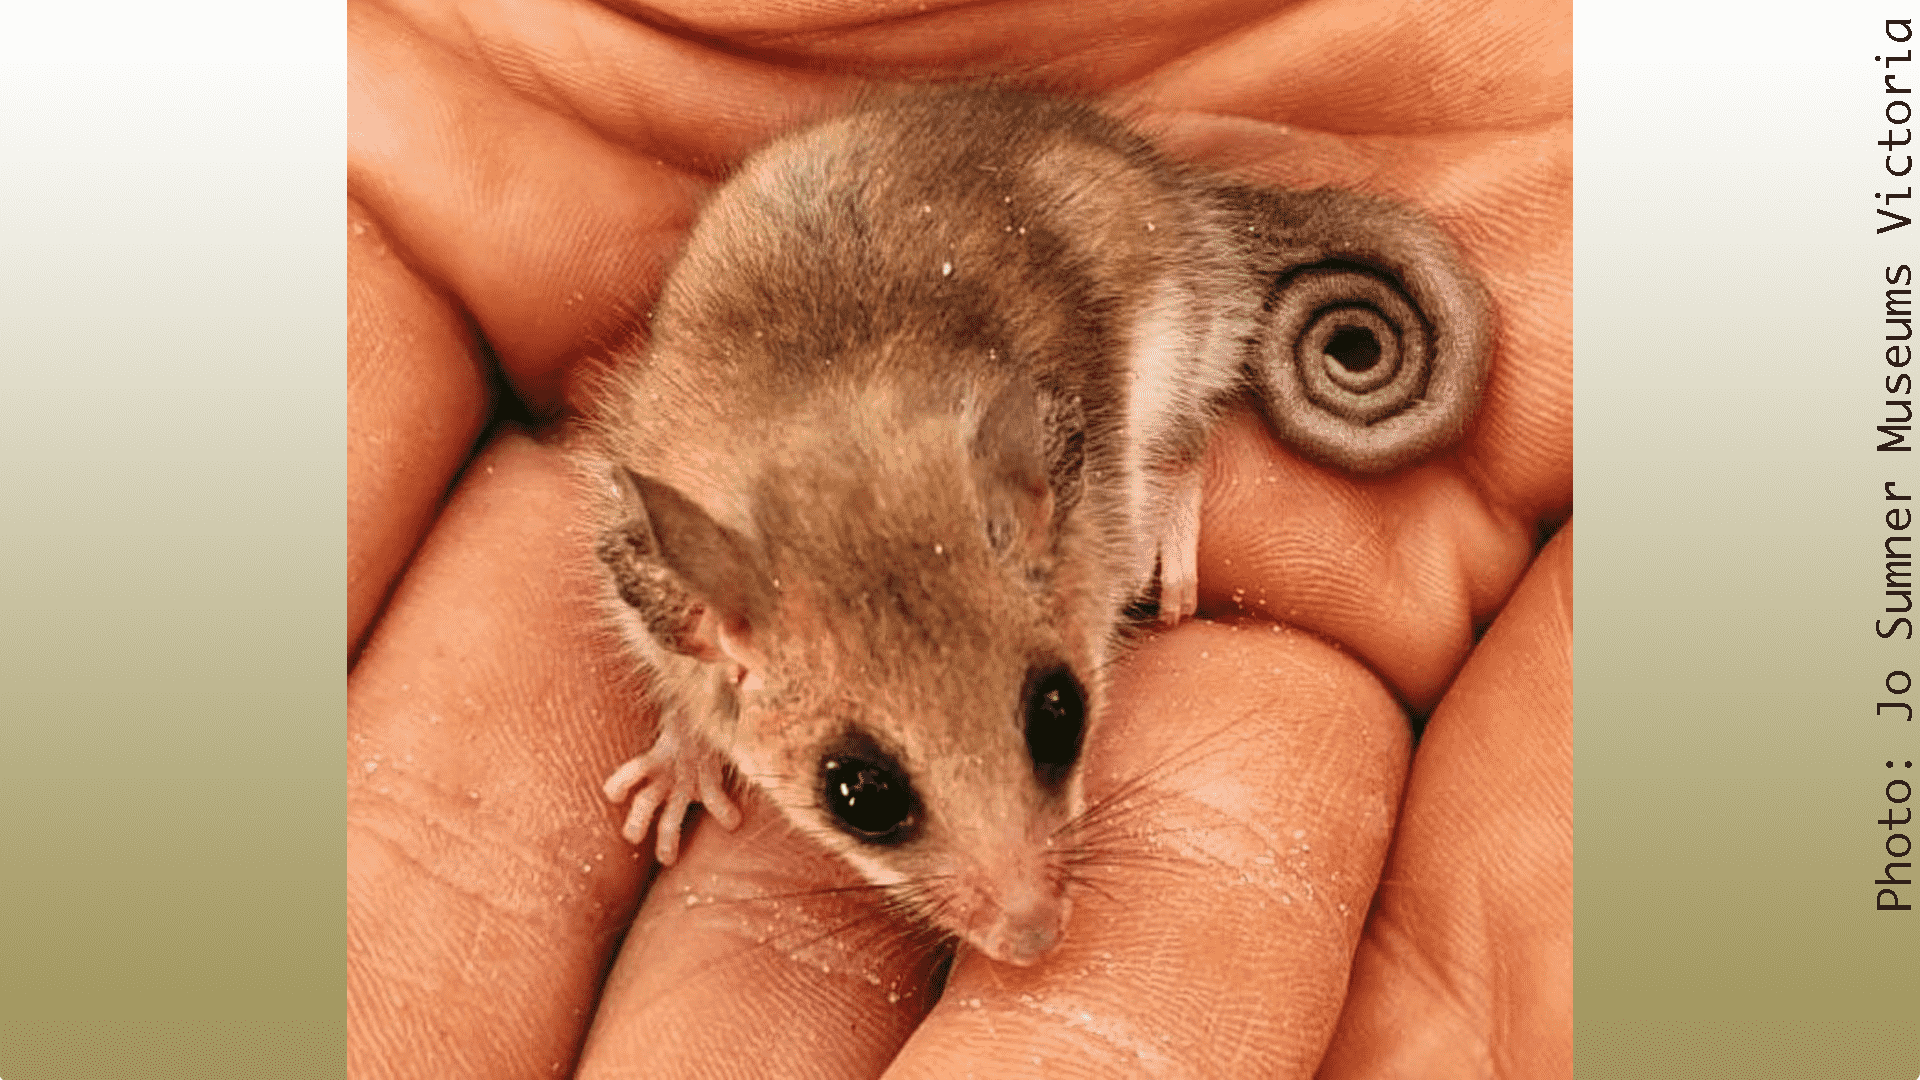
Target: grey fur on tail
[1372,344]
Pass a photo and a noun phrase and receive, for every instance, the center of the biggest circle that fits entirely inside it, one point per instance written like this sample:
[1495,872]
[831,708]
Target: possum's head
[914,621]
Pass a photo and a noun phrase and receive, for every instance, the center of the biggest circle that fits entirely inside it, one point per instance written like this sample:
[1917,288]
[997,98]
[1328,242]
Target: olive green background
[171,791]
[172,586]
[1728,763]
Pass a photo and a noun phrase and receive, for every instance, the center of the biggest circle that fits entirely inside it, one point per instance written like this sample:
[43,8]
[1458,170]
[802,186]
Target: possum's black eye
[870,798]
[1056,718]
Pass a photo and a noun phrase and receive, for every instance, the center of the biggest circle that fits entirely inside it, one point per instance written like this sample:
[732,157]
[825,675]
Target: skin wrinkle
[372,959]
[814,44]
[432,845]
[526,923]
[469,946]
[923,13]
[651,72]
[1270,54]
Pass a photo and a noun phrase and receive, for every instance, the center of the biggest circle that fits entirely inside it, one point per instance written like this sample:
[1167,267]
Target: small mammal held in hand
[921,415]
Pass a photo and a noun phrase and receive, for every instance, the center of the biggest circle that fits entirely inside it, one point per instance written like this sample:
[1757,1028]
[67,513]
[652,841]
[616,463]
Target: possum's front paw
[665,780]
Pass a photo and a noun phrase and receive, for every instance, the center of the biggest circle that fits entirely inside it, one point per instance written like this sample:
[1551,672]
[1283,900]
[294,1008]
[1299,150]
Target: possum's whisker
[898,921]
[803,894]
[1115,801]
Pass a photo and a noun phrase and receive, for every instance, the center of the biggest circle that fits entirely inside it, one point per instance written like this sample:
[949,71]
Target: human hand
[532,170]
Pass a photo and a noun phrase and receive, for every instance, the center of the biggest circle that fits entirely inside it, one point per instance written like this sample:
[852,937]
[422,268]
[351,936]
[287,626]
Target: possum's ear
[1373,341]
[1011,471]
[725,590]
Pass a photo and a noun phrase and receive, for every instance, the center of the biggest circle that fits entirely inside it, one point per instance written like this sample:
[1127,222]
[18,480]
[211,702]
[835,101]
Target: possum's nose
[1030,924]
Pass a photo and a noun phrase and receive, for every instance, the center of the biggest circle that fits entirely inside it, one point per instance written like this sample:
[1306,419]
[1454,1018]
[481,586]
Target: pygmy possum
[919,421]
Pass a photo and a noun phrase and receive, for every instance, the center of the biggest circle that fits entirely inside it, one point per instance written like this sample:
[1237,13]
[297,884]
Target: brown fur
[923,398]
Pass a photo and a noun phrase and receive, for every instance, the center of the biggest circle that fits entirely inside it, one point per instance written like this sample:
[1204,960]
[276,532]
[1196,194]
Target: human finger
[1467,962]
[487,883]
[417,400]
[757,953]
